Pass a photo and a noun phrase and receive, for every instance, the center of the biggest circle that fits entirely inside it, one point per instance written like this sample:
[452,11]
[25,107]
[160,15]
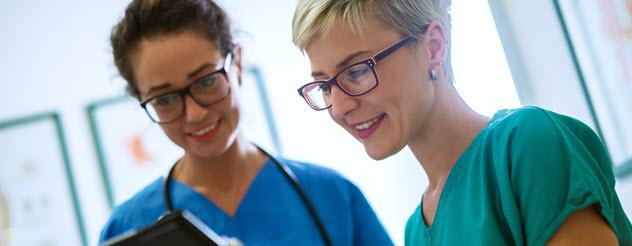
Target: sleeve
[557,166]
[367,227]
[124,218]
[110,230]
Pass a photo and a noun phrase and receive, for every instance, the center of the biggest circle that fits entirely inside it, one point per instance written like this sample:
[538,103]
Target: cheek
[173,132]
[407,87]
[233,111]
[333,117]
[169,128]
[236,115]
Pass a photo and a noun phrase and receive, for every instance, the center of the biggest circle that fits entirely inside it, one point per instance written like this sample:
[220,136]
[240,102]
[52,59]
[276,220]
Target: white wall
[543,69]
[540,62]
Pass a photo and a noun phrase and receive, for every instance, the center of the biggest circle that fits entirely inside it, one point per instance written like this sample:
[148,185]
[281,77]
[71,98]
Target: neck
[450,129]
[237,165]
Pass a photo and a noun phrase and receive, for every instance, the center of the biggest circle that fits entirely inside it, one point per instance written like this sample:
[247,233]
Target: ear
[436,44]
[238,63]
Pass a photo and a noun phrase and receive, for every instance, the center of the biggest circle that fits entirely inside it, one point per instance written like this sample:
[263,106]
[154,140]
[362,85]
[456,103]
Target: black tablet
[176,228]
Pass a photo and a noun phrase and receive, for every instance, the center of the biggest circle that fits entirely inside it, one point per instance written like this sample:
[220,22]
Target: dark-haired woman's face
[166,64]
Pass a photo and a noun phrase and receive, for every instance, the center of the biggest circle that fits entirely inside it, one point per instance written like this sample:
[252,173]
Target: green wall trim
[96,137]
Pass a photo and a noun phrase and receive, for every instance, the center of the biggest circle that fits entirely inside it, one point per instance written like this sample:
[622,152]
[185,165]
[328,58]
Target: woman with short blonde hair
[525,176]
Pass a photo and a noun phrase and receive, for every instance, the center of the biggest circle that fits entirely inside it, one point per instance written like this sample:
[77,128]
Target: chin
[377,157]
[380,152]
[377,154]
[212,149]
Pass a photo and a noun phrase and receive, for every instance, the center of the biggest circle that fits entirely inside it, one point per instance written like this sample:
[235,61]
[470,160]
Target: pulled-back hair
[146,19]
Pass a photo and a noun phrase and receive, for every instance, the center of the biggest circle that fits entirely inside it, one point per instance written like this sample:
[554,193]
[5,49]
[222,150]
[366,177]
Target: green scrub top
[519,180]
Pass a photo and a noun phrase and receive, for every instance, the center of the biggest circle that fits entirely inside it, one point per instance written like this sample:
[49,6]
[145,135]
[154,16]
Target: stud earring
[433,74]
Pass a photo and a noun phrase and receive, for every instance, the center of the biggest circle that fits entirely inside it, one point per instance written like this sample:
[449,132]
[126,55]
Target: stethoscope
[289,175]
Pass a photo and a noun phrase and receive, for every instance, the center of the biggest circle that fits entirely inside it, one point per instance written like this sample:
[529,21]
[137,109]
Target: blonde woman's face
[387,118]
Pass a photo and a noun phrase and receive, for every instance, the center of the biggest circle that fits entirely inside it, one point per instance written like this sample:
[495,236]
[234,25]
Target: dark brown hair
[146,19]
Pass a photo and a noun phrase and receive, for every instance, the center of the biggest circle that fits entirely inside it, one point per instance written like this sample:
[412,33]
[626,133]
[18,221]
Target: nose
[193,112]
[341,104]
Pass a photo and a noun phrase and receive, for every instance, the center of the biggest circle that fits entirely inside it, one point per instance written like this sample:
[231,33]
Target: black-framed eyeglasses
[207,91]
[355,80]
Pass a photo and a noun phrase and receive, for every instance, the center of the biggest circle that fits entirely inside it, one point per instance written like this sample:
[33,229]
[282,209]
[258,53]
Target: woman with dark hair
[180,62]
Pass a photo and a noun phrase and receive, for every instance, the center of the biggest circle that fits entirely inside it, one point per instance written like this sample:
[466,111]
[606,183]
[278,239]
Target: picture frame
[38,197]
[133,151]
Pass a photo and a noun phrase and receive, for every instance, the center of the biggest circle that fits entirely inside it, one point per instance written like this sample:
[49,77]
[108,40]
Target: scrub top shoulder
[519,180]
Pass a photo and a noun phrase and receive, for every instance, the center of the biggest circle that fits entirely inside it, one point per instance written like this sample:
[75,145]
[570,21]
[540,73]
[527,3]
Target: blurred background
[72,145]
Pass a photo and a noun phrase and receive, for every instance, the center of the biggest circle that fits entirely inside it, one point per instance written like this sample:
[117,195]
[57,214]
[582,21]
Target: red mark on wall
[138,151]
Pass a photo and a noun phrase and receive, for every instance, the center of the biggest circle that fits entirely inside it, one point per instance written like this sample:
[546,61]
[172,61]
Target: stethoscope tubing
[287,173]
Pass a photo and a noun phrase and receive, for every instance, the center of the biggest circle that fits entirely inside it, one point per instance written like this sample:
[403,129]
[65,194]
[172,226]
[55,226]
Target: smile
[204,131]
[366,129]
[366,125]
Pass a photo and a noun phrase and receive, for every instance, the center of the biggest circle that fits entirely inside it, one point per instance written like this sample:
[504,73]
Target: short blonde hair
[314,18]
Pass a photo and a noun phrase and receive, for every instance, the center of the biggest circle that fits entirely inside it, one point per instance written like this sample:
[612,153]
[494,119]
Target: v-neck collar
[455,174]
[201,204]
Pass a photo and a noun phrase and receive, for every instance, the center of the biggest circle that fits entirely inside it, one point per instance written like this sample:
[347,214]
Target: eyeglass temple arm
[399,44]
[392,49]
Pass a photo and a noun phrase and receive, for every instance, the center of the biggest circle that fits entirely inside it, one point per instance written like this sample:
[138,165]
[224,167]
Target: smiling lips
[366,129]
[205,133]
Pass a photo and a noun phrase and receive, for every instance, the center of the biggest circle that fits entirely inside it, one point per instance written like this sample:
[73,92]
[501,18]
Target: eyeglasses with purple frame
[370,62]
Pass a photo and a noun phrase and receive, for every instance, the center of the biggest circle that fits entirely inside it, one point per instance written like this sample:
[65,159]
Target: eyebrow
[343,63]
[189,76]
[200,69]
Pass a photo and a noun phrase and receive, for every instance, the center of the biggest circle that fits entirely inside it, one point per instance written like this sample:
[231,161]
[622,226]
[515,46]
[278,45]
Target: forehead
[170,59]
[326,51]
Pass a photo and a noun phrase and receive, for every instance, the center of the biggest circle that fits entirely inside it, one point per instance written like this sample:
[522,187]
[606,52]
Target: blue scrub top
[271,212]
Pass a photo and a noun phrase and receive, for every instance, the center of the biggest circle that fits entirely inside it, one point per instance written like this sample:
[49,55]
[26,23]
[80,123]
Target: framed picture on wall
[134,151]
[599,36]
[38,198]
[131,149]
